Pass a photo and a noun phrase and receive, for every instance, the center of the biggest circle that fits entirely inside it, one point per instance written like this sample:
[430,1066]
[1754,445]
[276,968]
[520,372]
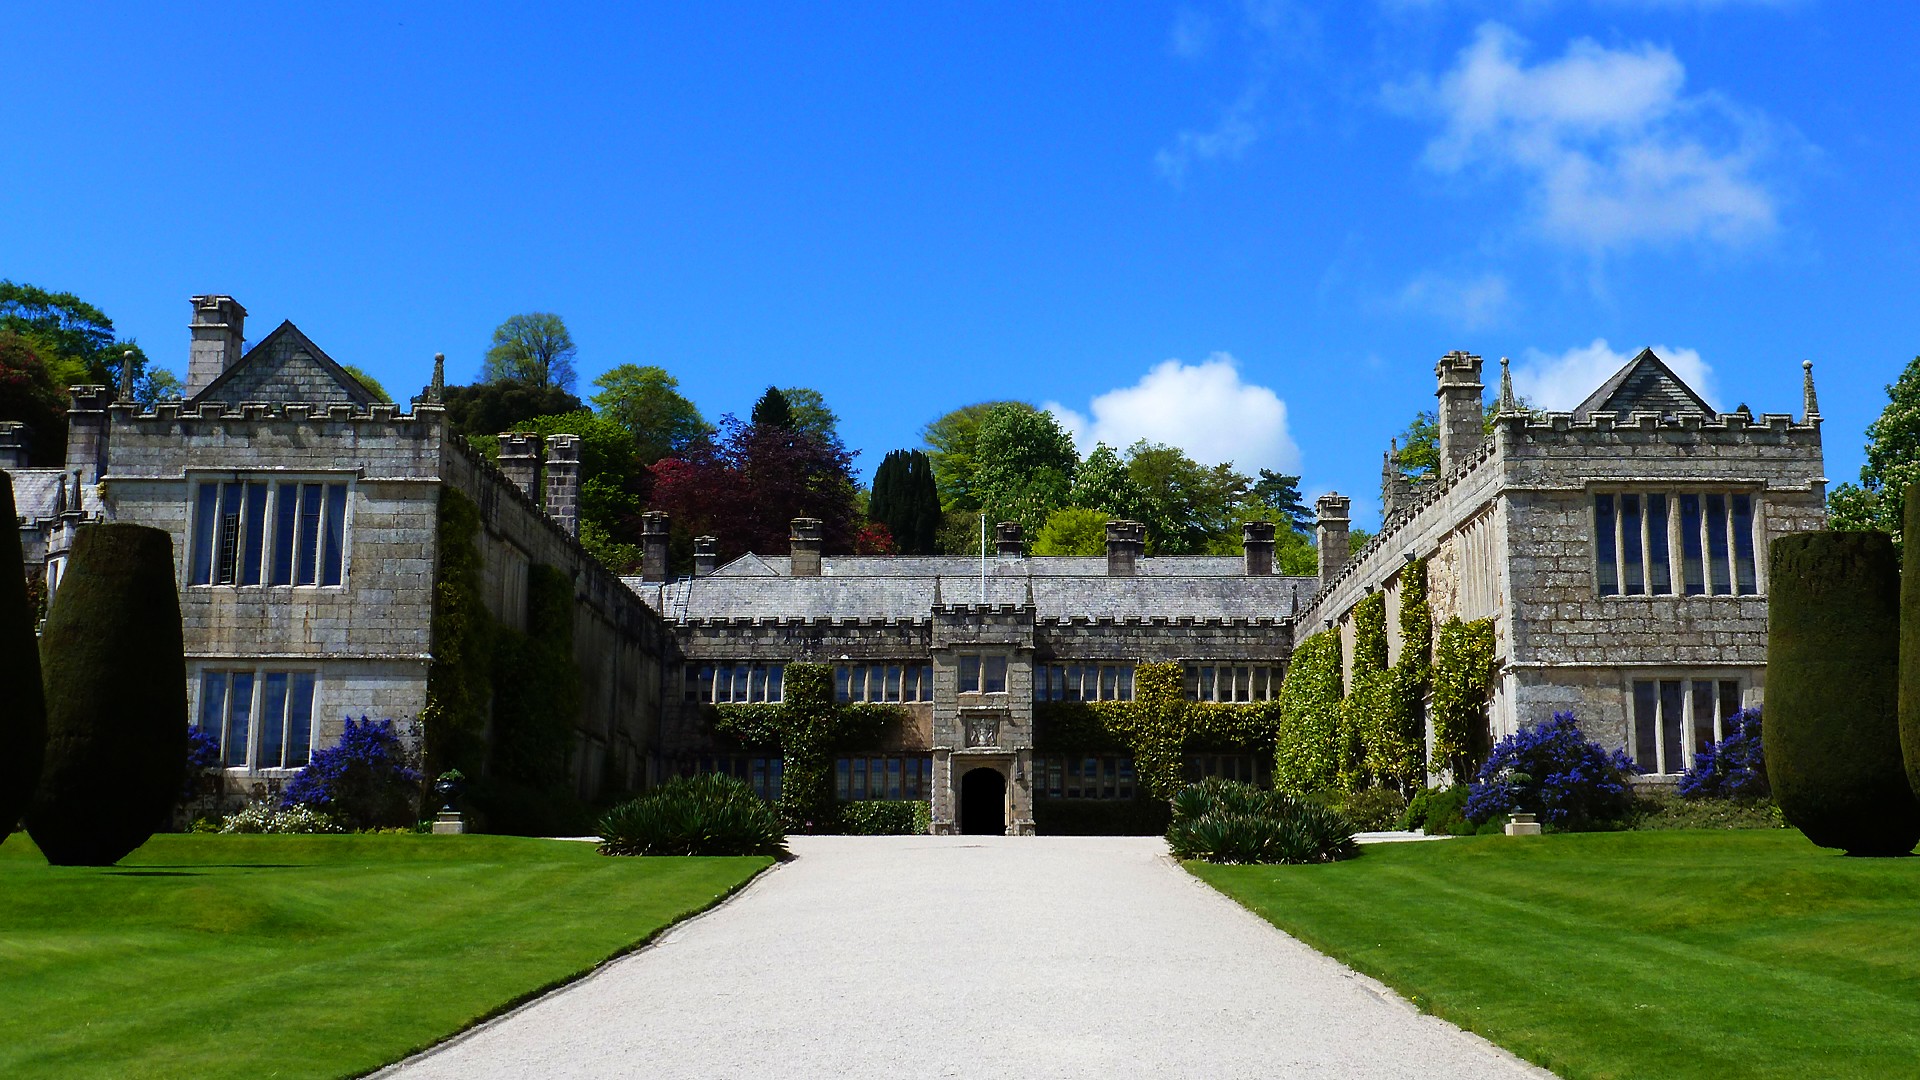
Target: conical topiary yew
[23,717]
[116,685]
[1832,735]
[1910,639]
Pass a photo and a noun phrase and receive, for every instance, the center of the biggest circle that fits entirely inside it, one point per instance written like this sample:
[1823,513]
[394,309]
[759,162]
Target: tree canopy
[745,487]
[1879,500]
[533,348]
[1104,484]
[29,394]
[807,411]
[1280,493]
[1073,530]
[489,408]
[613,483]
[904,500]
[646,401]
[75,342]
[953,441]
[772,410]
[373,385]
[1024,465]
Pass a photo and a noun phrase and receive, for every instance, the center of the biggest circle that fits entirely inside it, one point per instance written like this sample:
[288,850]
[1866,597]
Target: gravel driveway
[974,957]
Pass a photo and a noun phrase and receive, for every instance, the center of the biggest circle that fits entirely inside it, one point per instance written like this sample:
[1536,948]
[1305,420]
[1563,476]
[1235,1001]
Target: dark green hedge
[1143,816]
[1832,735]
[116,682]
[1909,693]
[23,714]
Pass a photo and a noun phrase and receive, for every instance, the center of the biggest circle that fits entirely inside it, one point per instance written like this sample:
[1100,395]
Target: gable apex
[286,366]
[1644,384]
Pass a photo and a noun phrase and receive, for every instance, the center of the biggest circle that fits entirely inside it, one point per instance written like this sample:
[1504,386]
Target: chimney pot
[653,545]
[706,555]
[804,540]
[1330,533]
[563,482]
[1126,546]
[1009,540]
[520,461]
[1256,545]
[218,328]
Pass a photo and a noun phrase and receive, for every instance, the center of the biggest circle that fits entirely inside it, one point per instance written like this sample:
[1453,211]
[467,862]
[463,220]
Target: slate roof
[1645,384]
[285,366]
[36,493]
[880,588]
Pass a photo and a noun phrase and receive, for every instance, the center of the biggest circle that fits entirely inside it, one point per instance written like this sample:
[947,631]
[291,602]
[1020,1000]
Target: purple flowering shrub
[1552,770]
[366,780]
[203,761]
[1733,768]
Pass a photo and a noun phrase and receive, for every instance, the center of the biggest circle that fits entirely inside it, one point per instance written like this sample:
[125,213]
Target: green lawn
[307,956]
[1653,954]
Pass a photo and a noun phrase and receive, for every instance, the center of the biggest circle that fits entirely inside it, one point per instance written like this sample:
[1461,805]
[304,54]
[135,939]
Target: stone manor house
[1619,550]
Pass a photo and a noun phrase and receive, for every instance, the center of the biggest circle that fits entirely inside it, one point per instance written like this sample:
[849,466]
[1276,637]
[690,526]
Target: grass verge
[308,956]
[1728,954]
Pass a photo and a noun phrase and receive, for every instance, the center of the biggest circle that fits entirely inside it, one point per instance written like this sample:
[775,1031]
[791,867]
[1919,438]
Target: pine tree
[773,410]
[905,501]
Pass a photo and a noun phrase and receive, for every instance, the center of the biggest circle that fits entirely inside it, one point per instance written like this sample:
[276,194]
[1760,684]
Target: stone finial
[1507,402]
[1812,403]
[653,545]
[437,389]
[126,375]
[1330,533]
[804,541]
[936,591]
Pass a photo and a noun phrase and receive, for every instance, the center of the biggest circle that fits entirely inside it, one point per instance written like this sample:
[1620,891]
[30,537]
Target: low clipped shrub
[1733,768]
[1225,821]
[265,818]
[1438,812]
[366,780]
[1373,809]
[1551,770]
[1655,810]
[1143,816]
[709,814]
[886,818]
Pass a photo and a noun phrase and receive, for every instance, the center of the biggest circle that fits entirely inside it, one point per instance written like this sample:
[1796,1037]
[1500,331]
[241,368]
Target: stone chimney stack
[1009,540]
[1330,533]
[1126,546]
[804,542]
[15,438]
[520,460]
[563,482]
[1256,545]
[706,555]
[653,545]
[218,328]
[87,430]
[1462,420]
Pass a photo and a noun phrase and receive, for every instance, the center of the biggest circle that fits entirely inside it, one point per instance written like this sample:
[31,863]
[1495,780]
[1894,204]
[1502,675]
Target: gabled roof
[286,366]
[1645,384]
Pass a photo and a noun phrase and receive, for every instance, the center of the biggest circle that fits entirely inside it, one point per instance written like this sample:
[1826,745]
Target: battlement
[1541,426]
[175,410]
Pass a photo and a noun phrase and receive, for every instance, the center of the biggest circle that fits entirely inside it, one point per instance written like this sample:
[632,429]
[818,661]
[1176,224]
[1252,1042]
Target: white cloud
[1227,139]
[1612,151]
[1562,380]
[1204,409]
[1471,303]
[1192,34]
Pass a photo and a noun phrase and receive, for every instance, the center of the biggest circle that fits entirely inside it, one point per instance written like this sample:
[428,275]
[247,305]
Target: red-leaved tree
[746,486]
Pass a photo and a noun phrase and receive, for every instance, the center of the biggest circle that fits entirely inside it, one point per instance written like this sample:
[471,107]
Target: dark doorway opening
[983,803]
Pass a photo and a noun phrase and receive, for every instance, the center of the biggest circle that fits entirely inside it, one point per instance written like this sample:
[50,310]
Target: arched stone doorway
[983,802]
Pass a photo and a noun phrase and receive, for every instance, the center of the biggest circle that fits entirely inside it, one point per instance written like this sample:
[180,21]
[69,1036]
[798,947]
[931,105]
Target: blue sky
[1246,228]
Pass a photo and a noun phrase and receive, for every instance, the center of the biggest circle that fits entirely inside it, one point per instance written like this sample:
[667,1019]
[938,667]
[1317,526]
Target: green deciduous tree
[372,384]
[807,411]
[1024,465]
[1073,530]
[1184,504]
[905,501]
[1878,501]
[613,485]
[952,442]
[29,394]
[647,402]
[76,345]
[533,348]
[490,408]
[1102,483]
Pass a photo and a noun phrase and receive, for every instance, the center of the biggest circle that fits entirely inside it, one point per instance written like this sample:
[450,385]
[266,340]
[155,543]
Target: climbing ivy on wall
[1306,748]
[1462,684]
[1158,728]
[1366,712]
[1400,757]
[536,687]
[806,728]
[459,681]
